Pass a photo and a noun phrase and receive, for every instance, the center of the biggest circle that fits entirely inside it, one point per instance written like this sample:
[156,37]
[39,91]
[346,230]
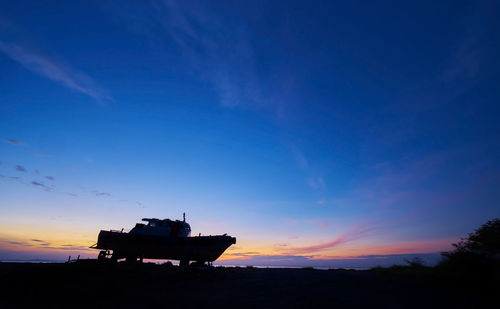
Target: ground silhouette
[468,277]
[122,285]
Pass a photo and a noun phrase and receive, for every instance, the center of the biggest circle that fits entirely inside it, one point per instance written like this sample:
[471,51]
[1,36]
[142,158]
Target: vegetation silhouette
[415,262]
[484,242]
[474,264]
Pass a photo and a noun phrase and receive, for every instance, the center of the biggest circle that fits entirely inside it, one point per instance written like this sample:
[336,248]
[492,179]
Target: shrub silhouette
[485,241]
[415,262]
[477,256]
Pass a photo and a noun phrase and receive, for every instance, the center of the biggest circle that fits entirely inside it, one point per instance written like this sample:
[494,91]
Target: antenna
[184,216]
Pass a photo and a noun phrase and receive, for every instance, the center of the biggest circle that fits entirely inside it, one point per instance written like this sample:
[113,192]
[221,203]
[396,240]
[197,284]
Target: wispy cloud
[9,177]
[223,58]
[52,70]
[20,168]
[217,50]
[14,141]
[321,224]
[314,179]
[299,156]
[348,236]
[47,183]
[98,193]
[244,254]
[18,243]
[316,182]
[42,185]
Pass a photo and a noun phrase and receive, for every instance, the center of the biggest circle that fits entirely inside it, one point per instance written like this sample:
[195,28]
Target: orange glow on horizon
[56,240]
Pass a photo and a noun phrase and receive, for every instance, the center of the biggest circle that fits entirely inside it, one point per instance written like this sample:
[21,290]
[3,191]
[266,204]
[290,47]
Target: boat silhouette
[161,239]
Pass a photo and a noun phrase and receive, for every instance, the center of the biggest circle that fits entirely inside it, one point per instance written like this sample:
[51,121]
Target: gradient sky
[308,130]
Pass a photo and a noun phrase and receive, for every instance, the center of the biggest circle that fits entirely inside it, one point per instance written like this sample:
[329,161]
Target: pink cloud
[351,235]
[321,224]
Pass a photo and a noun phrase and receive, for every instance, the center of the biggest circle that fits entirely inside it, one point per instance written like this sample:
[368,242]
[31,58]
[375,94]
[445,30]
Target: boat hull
[198,248]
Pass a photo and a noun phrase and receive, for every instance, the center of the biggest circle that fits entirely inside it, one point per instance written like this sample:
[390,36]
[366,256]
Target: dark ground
[92,285]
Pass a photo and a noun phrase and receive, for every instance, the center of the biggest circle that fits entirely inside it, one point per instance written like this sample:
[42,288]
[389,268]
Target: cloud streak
[42,185]
[54,71]
[321,224]
[214,52]
[20,168]
[9,177]
[97,193]
[351,235]
[14,141]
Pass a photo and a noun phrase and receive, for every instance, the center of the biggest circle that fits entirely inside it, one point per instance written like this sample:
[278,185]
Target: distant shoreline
[357,263]
[175,263]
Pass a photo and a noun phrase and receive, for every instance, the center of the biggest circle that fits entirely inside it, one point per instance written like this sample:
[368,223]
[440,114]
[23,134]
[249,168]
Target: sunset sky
[307,130]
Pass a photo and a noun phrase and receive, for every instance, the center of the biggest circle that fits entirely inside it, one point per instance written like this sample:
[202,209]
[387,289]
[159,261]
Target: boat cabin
[165,227]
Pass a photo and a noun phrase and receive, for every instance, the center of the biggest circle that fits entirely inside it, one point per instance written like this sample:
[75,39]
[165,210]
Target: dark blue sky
[304,128]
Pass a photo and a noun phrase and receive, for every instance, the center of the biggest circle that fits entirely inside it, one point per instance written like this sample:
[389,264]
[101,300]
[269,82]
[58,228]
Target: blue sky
[319,129]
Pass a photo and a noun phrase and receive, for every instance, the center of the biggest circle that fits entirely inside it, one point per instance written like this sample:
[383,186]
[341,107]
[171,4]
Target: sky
[316,133]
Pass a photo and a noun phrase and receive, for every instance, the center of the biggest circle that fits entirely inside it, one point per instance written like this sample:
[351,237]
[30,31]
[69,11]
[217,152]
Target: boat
[161,239]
